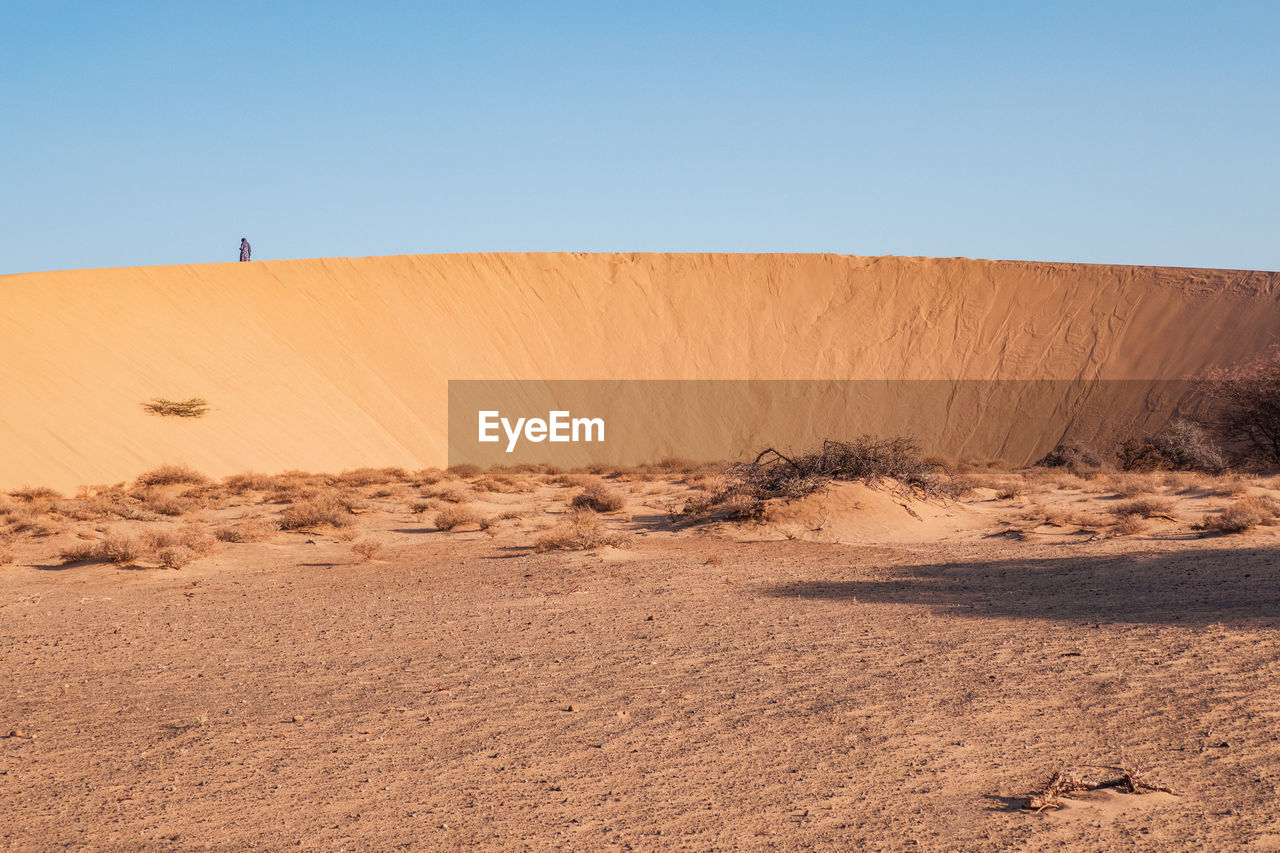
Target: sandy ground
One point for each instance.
(788, 685)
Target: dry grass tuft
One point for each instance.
(1130, 525)
(250, 481)
(188, 539)
(465, 471)
(35, 493)
(249, 530)
(168, 475)
(597, 497)
(370, 477)
(194, 407)
(174, 557)
(1242, 515)
(1064, 517)
(1148, 507)
(165, 505)
(455, 516)
(578, 531)
(1232, 486)
(320, 511)
(1077, 458)
(121, 550)
(455, 495)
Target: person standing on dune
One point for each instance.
(244, 249)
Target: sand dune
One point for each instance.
(337, 363)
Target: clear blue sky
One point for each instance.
(1109, 132)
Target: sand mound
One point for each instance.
(338, 363)
(857, 513)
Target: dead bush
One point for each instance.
(598, 497)
(455, 495)
(1248, 405)
(250, 482)
(169, 506)
(455, 516)
(168, 475)
(367, 549)
(194, 407)
(189, 539)
(1064, 783)
(1228, 487)
(370, 477)
(578, 531)
(35, 493)
(1242, 515)
(248, 530)
(1143, 507)
(1065, 517)
(1127, 485)
(1072, 455)
(865, 459)
(501, 484)
(1180, 446)
(464, 471)
(574, 481)
(33, 519)
(323, 510)
(121, 550)
(1130, 525)
(428, 477)
(82, 552)
(174, 557)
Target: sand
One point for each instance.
(723, 687)
(338, 363)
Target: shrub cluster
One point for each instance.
(579, 530)
(1073, 456)
(747, 485)
(1180, 446)
(1242, 515)
(597, 497)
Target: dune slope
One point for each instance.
(336, 363)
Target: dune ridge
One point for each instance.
(337, 363)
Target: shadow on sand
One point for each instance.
(1185, 588)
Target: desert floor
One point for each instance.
(860, 671)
